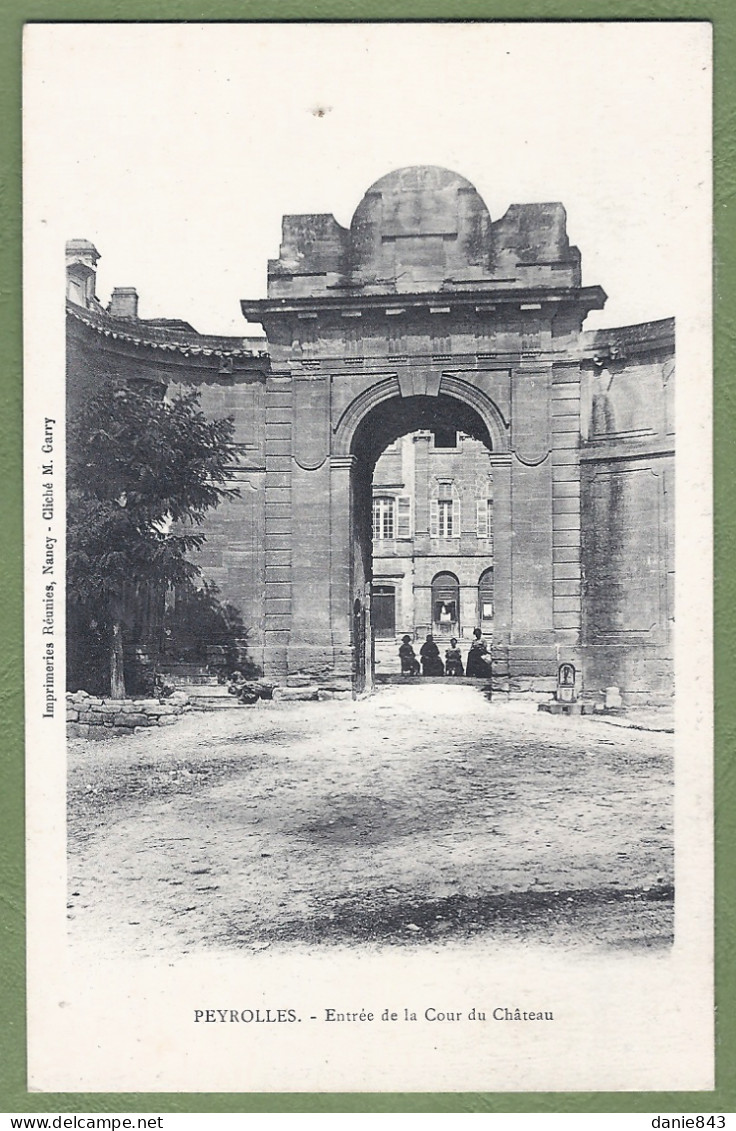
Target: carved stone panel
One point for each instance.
(311, 422)
(530, 415)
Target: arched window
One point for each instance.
(485, 597)
(445, 604)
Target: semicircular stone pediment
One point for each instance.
(418, 226)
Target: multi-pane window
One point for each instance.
(384, 517)
(445, 513)
(444, 518)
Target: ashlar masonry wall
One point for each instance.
(628, 545)
(425, 312)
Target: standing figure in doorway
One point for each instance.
(453, 659)
(431, 662)
(479, 662)
(409, 662)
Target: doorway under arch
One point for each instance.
(445, 604)
(384, 611)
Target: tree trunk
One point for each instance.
(117, 674)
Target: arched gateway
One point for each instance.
(425, 320)
(424, 313)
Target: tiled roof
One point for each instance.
(160, 334)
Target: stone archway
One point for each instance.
(423, 310)
(441, 399)
(373, 420)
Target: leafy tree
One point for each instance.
(142, 471)
(198, 619)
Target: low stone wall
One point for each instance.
(88, 716)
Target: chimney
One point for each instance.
(123, 303)
(81, 272)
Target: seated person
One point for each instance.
(478, 664)
(409, 662)
(453, 659)
(431, 662)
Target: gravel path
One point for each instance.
(423, 815)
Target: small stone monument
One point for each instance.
(565, 692)
(565, 701)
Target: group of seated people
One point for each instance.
(478, 664)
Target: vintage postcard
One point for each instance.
(368, 591)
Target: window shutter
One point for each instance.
(434, 519)
(404, 530)
(481, 508)
(456, 517)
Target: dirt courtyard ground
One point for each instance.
(422, 815)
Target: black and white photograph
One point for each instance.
(369, 723)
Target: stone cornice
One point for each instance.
(590, 298)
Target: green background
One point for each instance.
(13, 15)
